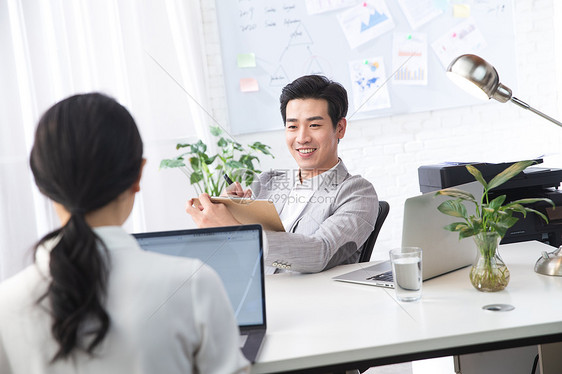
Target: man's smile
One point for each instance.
(306, 150)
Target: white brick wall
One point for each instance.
(388, 151)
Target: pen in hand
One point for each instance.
(237, 190)
(227, 179)
(233, 191)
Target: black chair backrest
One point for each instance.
(384, 208)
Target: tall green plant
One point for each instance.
(491, 216)
(206, 171)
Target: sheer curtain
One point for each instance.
(147, 54)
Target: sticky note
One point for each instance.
(461, 11)
(249, 85)
(246, 60)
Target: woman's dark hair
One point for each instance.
(316, 87)
(87, 151)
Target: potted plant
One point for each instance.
(206, 172)
(489, 224)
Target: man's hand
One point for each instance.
(209, 214)
(235, 190)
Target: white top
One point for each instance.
(298, 198)
(168, 315)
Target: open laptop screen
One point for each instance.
(235, 253)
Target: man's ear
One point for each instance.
(340, 128)
(136, 186)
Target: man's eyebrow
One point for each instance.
(313, 118)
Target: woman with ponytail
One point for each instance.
(93, 301)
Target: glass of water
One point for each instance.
(407, 272)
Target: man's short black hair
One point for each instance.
(316, 87)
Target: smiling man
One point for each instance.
(327, 213)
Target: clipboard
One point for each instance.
(248, 211)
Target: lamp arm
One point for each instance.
(528, 107)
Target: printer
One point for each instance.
(535, 181)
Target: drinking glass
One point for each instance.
(407, 272)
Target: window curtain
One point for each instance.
(147, 54)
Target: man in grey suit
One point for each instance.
(327, 213)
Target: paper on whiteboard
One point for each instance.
(459, 40)
(322, 6)
(368, 84)
(409, 59)
(419, 12)
(366, 21)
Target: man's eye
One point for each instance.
(314, 125)
(291, 127)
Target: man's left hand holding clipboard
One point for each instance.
(236, 208)
(205, 213)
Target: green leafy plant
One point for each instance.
(205, 172)
(488, 225)
(491, 216)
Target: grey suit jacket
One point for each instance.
(332, 228)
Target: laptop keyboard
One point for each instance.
(385, 277)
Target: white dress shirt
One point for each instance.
(298, 198)
(168, 315)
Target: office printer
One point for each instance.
(535, 181)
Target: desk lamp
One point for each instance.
(479, 78)
(476, 76)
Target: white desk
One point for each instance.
(314, 321)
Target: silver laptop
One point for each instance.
(236, 254)
(442, 251)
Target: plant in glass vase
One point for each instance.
(489, 224)
(206, 172)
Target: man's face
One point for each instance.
(311, 137)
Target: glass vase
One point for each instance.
(489, 273)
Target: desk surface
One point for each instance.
(314, 321)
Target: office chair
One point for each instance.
(384, 208)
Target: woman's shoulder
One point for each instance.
(23, 288)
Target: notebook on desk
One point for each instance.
(442, 251)
(236, 254)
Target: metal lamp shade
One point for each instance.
(478, 77)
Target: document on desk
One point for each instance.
(250, 211)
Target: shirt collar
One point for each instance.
(330, 178)
(116, 238)
(318, 180)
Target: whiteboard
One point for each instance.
(266, 44)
